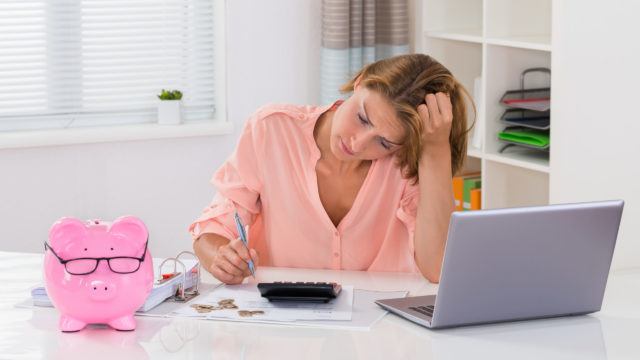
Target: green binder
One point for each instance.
(468, 185)
(535, 138)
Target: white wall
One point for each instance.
(596, 122)
(272, 56)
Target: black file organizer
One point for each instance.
(527, 118)
(521, 114)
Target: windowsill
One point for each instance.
(89, 135)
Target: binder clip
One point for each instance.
(183, 293)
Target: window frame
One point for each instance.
(218, 125)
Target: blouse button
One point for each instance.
(336, 254)
(336, 233)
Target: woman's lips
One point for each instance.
(345, 148)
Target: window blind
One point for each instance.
(74, 63)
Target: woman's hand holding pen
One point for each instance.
(230, 263)
(226, 260)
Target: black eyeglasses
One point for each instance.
(87, 265)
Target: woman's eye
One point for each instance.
(385, 145)
(362, 120)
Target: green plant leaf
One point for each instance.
(170, 95)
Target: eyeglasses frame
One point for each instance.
(64, 262)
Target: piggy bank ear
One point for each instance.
(66, 231)
(131, 228)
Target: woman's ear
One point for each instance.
(356, 83)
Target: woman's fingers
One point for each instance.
(222, 275)
(245, 254)
(240, 249)
(255, 257)
(437, 117)
(432, 105)
(232, 263)
(423, 111)
(444, 105)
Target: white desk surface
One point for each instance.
(613, 333)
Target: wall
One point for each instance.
(273, 54)
(595, 60)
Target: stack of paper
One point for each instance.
(159, 293)
(39, 296)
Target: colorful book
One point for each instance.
(458, 188)
(469, 184)
(476, 199)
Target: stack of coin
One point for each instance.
(227, 304)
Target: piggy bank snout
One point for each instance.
(102, 290)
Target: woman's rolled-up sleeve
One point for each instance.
(238, 184)
(408, 209)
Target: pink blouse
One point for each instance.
(271, 180)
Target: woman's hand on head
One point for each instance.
(230, 262)
(437, 116)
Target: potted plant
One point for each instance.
(169, 107)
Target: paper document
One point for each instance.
(244, 303)
(365, 311)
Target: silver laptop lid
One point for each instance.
(521, 263)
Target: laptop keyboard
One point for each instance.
(425, 310)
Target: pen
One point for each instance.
(244, 239)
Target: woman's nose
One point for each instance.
(358, 143)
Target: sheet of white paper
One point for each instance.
(365, 311)
(247, 297)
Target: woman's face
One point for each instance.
(365, 127)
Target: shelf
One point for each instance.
(494, 41)
(528, 159)
(522, 24)
(453, 19)
(533, 42)
(504, 185)
(468, 35)
(503, 69)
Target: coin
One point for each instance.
(249, 313)
(201, 308)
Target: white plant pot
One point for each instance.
(169, 112)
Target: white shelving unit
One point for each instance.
(495, 40)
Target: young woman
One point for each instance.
(360, 184)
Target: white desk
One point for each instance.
(613, 333)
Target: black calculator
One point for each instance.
(299, 291)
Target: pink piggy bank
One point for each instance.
(98, 272)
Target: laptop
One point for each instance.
(519, 263)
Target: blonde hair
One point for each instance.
(405, 80)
